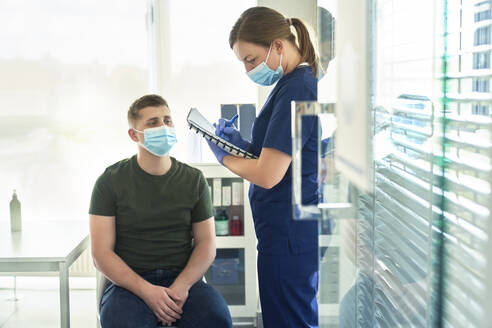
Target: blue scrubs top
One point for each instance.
(277, 232)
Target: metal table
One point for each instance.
(45, 246)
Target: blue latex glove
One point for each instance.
(225, 129)
(223, 123)
(233, 135)
(218, 152)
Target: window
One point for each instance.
(432, 187)
(481, 60)
(482, 36)
(481, 85)
(478, 109)
(197, 68)
(482, 15)
(69, 73)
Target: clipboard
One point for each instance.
(201, 125)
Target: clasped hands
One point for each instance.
(166, 303)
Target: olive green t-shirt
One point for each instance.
(153, 214)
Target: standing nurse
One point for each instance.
(264, 40)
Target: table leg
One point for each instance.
(64, 296)
(14, 298)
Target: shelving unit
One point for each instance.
(233, 272)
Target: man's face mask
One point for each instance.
(159, 140)
(264, 75)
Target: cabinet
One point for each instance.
(233, 272)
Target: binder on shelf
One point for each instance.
(226, 195)
(247, 115)
(237, 193)
(217, 191)
(201, 125)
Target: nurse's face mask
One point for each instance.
(158, 140)
(264, 75)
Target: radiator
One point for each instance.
(83, 266)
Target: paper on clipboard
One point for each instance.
(201, 125)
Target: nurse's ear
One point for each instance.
(278, 46)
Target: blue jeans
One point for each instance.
(204, 308)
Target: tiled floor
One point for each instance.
(41, 309)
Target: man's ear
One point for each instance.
(133, 134)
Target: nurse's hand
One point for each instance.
(223, 123)
(218, 152)
(234, 136)
(225, 129)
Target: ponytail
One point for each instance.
(306, 47)
(262, 25)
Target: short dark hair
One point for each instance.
(141, 103)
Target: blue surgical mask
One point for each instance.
(159, 140)
(264, 75)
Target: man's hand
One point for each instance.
(165, 309)
(179, 294)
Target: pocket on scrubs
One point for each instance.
(303, 237)
(273, 222)
(272, 214)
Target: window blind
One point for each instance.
(432, 170)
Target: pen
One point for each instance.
(227, 124)
(231, 122)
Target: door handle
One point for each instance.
(300, 109)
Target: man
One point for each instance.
(152, 232)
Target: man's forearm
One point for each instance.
(113, 267)
(200, 260)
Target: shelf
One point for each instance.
(329, 309)
(212, 170)
(232, 241)
(245, 290)
(329, 240)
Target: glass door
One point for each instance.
(413, 250)
(382, 251)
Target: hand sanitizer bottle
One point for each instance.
(15, 214)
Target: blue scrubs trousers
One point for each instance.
(288, 287)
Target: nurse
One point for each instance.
(265, 42)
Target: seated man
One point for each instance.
(152, 232)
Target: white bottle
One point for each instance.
(15, 214)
